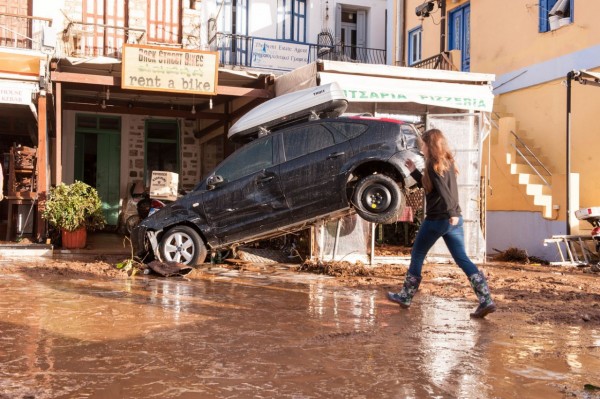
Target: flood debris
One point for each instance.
(337, 269)
(169, 269)
(517, 255)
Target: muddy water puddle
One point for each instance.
(243, 335)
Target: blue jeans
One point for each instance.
(454, 237)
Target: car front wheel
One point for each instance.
(182, 244)
(378, 199)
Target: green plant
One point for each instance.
(71, 206)
(130, 266)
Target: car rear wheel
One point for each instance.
(378, 199)
(182, 244)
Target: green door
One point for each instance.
(97, 159)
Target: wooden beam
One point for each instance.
(234, 115)
(70, 77)
(42, 165)
(166, 112)
(104, 80)
(58, 130)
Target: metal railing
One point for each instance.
(22, 31)
(535, 164)
(86, 39)
(235, 50)
(439, 61)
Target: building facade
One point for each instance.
(110, 122)
(540, 159)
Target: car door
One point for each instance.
(250, 188)
(310, 173)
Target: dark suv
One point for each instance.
(283, 182)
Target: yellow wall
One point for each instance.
(505, 39)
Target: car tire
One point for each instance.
(183, 245)
(378, 199)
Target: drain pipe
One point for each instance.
(570, 77)
(442, 6)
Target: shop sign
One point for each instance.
(381, 90)
(280, 55)
(13, 93)
(169, 70)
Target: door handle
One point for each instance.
(335, 155)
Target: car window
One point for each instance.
(349, 130)
(249, 159)
(306, 139)
(410, 135)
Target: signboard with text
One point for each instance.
(15, 93)
(274, 54)
(169, 70)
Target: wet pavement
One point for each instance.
(247, 335)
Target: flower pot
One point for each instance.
(74, 239)
(564, 21)
(554, 22)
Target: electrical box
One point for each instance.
(163, 185)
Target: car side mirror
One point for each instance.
(213, 181)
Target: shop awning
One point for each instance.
(390, 84)
(379, 89)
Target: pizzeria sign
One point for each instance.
(169, 70)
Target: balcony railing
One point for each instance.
(22, 31)
(235, 50)
(85, 39)
(440, 61)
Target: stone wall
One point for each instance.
(190, 156)
(135, 148)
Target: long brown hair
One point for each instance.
(438, 156)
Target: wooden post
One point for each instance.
(42, 165)
(58, 119)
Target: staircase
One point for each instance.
(527, 163)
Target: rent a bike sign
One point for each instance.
(170, 70)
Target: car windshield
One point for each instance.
(249, 159)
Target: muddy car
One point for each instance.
(283, 182)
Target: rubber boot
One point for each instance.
(409, 289)
(486, 304)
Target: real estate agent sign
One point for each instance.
(272, 54)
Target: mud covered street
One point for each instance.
(85, 329)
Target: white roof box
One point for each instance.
(323, 101)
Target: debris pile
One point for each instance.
(337, 269)
(517, 255)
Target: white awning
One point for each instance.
(389, 89)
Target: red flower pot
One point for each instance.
(74, 239)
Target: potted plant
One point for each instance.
(74, 209)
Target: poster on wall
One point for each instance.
(273, 54)
(169, 70)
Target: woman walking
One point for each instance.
(443, 219)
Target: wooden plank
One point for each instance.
(105, 80)
(166, 112)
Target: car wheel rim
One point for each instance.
(377, 198)
(179, 248)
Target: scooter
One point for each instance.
(138, 207)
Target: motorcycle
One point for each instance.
(138, 207)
